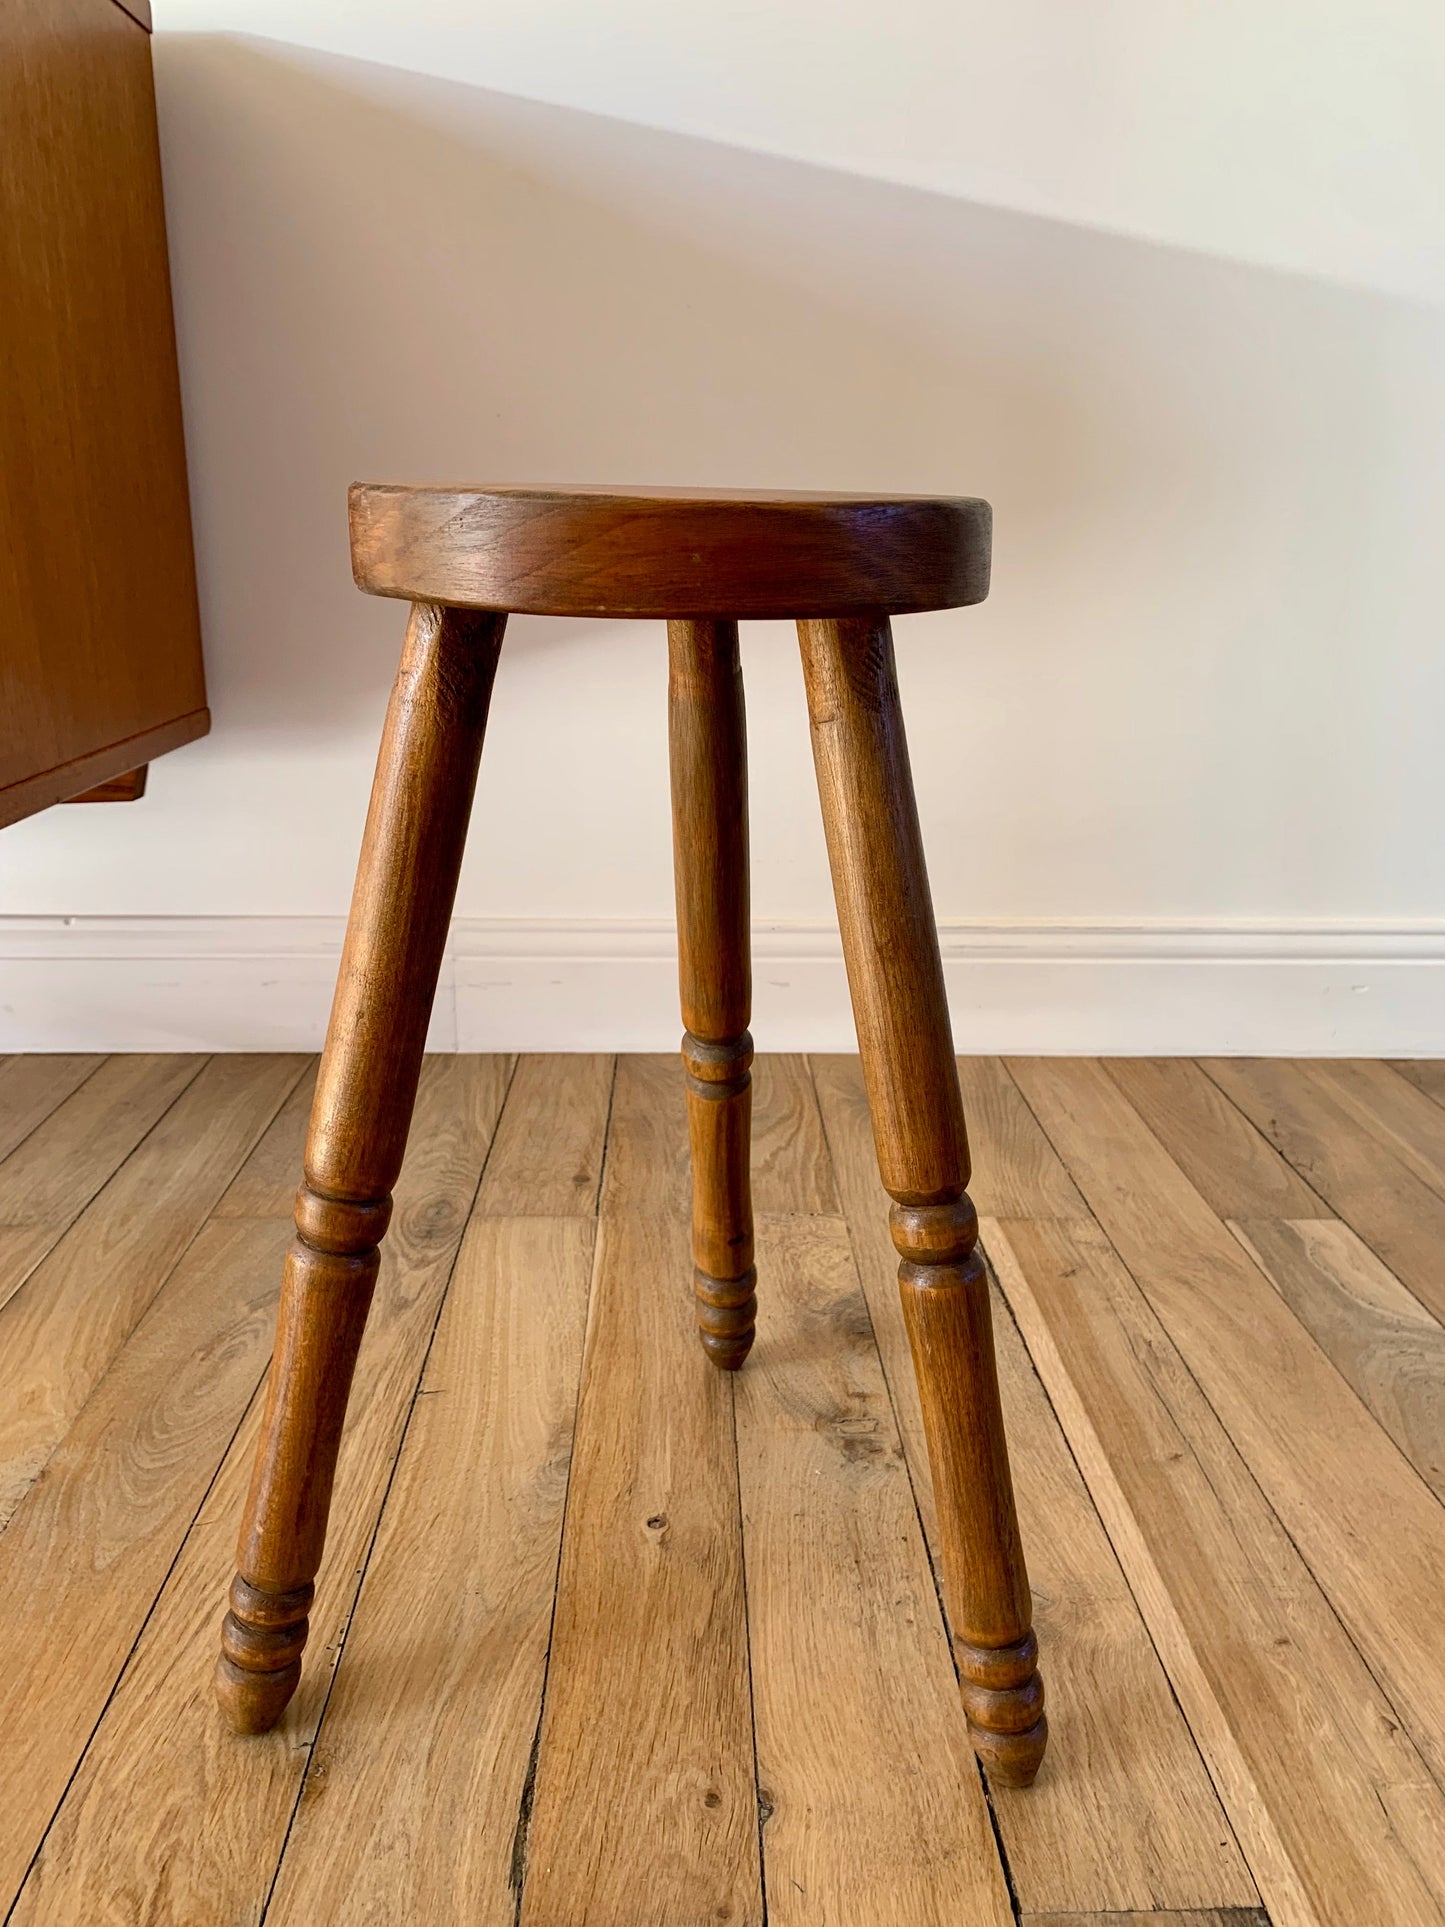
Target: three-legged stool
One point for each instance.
(840, 565)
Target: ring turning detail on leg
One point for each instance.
(839, 566)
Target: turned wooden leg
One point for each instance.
(891, 945)
(708, 744)
(405, 885)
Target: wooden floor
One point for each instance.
(604, 1637)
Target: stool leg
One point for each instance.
(405, 885)
(708, 744)
(896, 980)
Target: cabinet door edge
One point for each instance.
(49, 786)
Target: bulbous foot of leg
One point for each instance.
(262, 1638)
(1003, 1697)
(253, 1702)
(727, 1310)
(727, 1353)
(1011, 1759)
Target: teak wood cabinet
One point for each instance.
(100, 646)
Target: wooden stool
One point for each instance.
(840, 565)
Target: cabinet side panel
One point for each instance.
(99, 635)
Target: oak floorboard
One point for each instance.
(414, 1792)
(792, 1174)
(1390, 1110)
(1339, 1818)
(1368, 1526)
(171, 1821)
(89, 1545)
(546, 1159)
(1233, 1167)
(50, 1177)
(1399, 1216)
(1378, 1335)
(1427, 1074)
(31, 1087)
(645, 1805)
(126, 1845)
(872, 1804)
(1123, 1814)
(266, 1184)
(59, 1333)
(1192, 1917)
(1016, 1171)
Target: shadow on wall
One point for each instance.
(386, 276)
(1210, 481)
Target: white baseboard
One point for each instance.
(264, 983)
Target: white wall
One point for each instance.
(1162, 281)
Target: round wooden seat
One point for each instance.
(669, 552)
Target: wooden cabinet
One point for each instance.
(100, 649)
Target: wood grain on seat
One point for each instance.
(669, 552)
